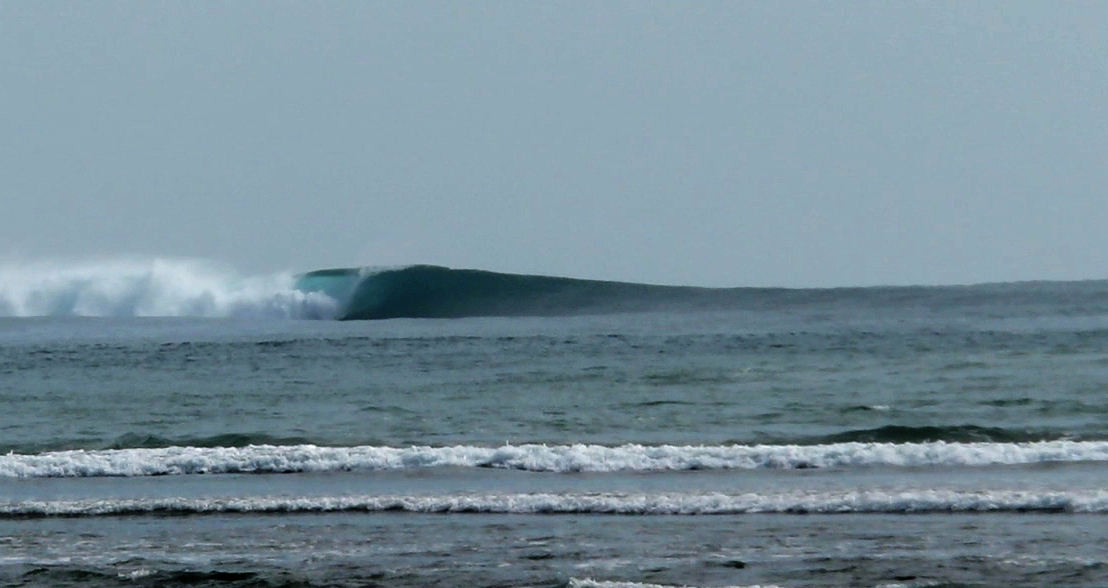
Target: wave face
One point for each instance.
(154, 288)
(924, 434)
(424, 291)
(834, 502)
(538, 458)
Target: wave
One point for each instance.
(425, 291)
(834, 502)
(160, 287)
(538, 458)
(69, 575)
(924, 434)
(166, 287)
(139, 441)
(889, 434)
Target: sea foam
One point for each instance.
(538, 458)
(590, 583)
(159, 287)
(917, 501)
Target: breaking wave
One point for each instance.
(193, 288)
(154, 288)
(424, 291)
(840, 502)
(538, 458)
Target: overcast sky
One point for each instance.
(722, 144)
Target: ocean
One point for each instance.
(175, 425)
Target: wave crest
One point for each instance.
(908, 501)
(539, 458)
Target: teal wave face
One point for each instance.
(425, 291)
(439, 292)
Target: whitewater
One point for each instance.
(154, 288)
(177, 423)
(853, 502)
(539, 458)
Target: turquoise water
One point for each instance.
(863, 437)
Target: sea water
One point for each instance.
(870, 437)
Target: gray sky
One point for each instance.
(731, 143)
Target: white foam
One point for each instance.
(158, 287)
(538, 458)
(590, 583)
(835, 502)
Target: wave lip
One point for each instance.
(919, 501)
(537, 458)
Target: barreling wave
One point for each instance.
(539, 458)
(193, 288)
(424, 291)
(834, 502)
(159, 287)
